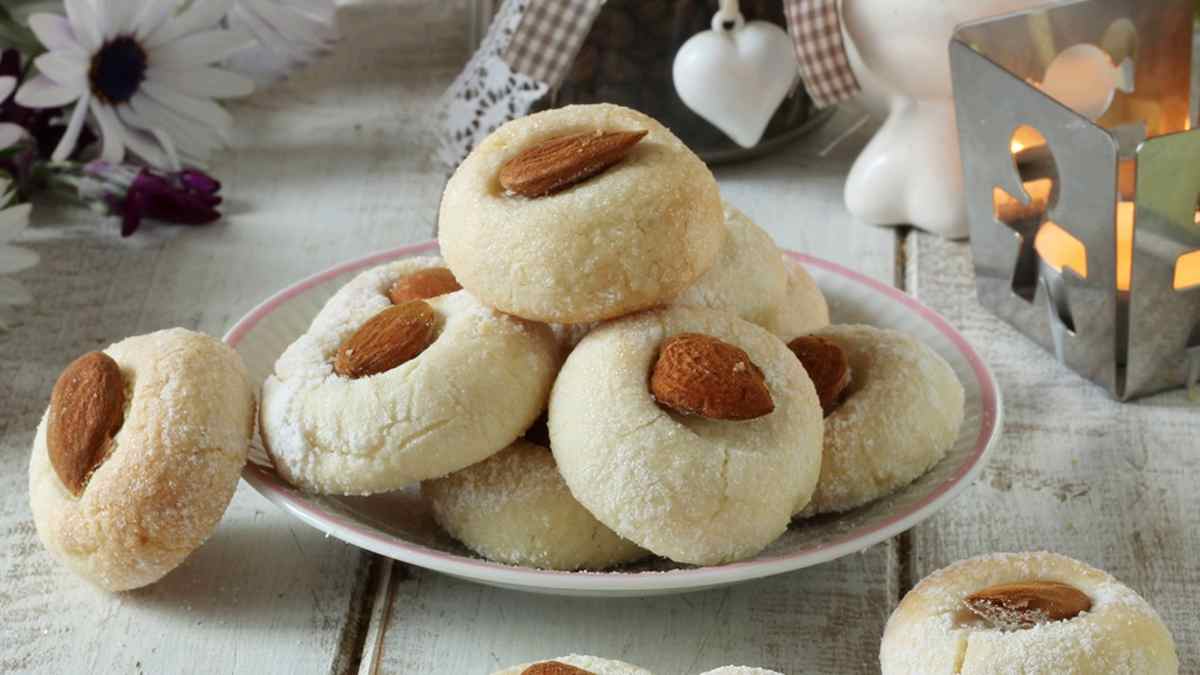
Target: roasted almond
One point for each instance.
(87, 408)
(423, 285)
(554, 668)
(827, 367)
(559, 163)
(701, 375)
(392, 337)
(1028, 603)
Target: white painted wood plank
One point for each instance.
(382, 592)
(329, 165)
(813, 621)
(1111, 484)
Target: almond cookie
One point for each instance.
(376, 396)
(897, 416)
(580, 213)
(139, 454)
(690, 432)
(803, 308)
(1030, 613)
(514, 508)
(749, 279)
(575, 664)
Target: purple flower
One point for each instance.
(186, 197)
(134, 193)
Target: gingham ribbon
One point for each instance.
(816, 29)
(549, 36)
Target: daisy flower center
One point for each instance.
(118, 70)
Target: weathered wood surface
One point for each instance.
(327, 166)
(825, 619)
(334, 164)
(1111, 484)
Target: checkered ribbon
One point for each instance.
(816, 29)
(549, 36)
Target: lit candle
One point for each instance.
(1061, 250)
(1009, 210)
(1124, 244)
(1187, 271)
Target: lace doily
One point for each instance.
(487, 93)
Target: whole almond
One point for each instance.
(87, 408)
(422, 285)
(392, 337)
(701, 375)
(827, 367)
(1025, 604)
(559, 163)
(554, 668)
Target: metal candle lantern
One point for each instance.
(1082, 184)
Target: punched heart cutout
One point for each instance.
(735, 76)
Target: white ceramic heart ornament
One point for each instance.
(736, 75)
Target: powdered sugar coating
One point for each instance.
(171, 471)
(749, 278)
(898, 417)
(470, 394)
(803, 309)
(514, 508)
(690, 489)
(740, 670)
(593, 664)
(629, 238)
(1120, 635)
(570, 334)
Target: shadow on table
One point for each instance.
(261, 570)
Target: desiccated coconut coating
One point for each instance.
(898, 417)
(749, 278)
(629, 238)
(592, 664)
(468, 395)
(514, 508)
(1120, 635)
(691, 489)
(170, 473)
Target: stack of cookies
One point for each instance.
(609, 363)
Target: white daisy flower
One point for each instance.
(13, 259)
(290, 34)
(142, 73)
(10, 134)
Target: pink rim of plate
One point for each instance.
(351, 531)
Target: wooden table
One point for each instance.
(334, 164)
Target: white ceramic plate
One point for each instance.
(398, 525)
